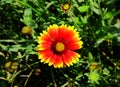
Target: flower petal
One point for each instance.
(53, 31)
(44, 55)
(75, 56)
(67, 59)
(45, 36)
(58, 62)
(74, 45)
(70, 57)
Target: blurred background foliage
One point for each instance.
(98, 22)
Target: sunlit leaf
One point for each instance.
(83, 8)
(108, 15)
(95, 10)
(106, 71)
(90, 57)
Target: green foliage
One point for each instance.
(98, 22)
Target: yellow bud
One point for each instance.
(7, 64)
(10, 66)
(94, 66)
(26, 30)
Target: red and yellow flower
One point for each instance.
(57, 46)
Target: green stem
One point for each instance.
(17, 41)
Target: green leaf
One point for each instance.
(15, 48)
(27, 16)
(6, 1)
(96, 10)
(79, 76)
(83, 8)
(117, 25)
(28, 12)
(4, 47)
(108, 15)
(49, 4)
(90, 57)
(109, 36)
(94, 3)
(106, 71)
(82, 20)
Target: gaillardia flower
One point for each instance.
(66, 6)
(57, 46)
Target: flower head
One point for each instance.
(94, 77)
(66, 6)
(57, 45)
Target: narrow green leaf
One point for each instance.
(96, 10)
(99, 42)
